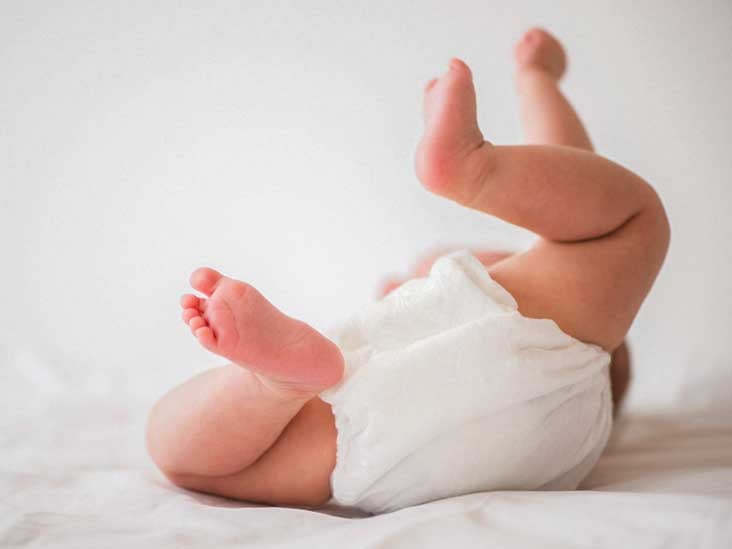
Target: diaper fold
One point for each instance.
(449, 390)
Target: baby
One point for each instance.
(266, 427)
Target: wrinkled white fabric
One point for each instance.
(449, 390)
(75, 474)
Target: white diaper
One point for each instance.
(449, 390)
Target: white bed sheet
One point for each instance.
(74, 473)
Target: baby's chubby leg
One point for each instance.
(546, 189)
(548, 118)
(231, 430)
(603, 229)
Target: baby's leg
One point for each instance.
(604, 230)
(549, 119)
(231, 431)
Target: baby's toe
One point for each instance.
(190, 313)
(206, 337)
(205, 280)
(197, 322)
(189, 301)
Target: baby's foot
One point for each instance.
(237, 322)
(539, 50)
(452, 156)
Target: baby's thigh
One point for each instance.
(295, 470)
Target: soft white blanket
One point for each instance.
(74, 473)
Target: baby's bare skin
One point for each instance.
(255, 429)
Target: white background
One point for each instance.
(274, 141)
